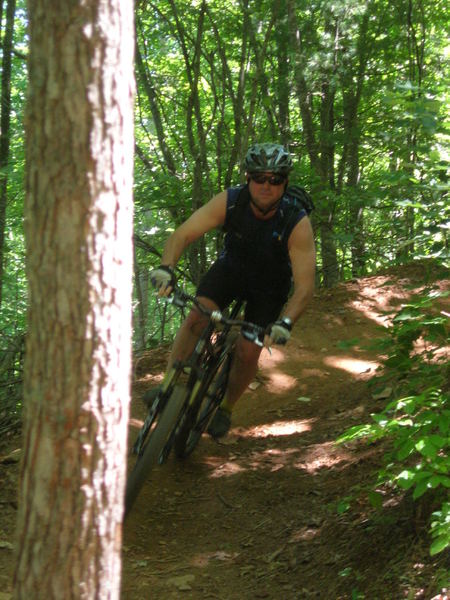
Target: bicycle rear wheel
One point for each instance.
(154, 447)
(197, 417)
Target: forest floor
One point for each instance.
(267, 512)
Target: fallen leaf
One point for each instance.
(182, 582)
(386, 393)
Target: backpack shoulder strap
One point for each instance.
(300, 196)
(237, 201)
(298, 203)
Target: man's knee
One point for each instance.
(196, 322)
(247, 353)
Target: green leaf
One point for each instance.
(376, 499)
(444, 480)
(343, 506)
(409, 314)
(439, 544)
(357, 432)
(426, 448)
(405, 449)
(438, 441)
(421, 488)
(406, 479)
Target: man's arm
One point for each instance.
(204, 219)
(302, 253)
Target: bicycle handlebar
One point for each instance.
(180, 298)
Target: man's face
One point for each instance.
(266, 188)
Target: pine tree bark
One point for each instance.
(78, 225)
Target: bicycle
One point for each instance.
(181, 412)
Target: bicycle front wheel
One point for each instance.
(197, 418)
(154, 447)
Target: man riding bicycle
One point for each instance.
(258, 264)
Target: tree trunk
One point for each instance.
(78, 225)
(4, 127)
(283, 67)
(141, 277)
(320, 152)
(350, 156)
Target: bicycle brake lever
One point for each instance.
(216, 316)
(177, 301)
(176, 298)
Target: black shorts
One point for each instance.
(223, 283)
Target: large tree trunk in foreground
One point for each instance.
(79, 260)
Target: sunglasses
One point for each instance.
(272, 179)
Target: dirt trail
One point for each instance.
(256, 516)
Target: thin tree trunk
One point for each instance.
(78, 217)
(351, 100)
(141, 290)
(320, 154)
(5, 120)
(283, 86)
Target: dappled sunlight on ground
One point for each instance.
(309, 459)
(351, 365)
(370, 313)
(278, 428)
(227, 468)
(321, 456)
(280, 382)
(379, 299)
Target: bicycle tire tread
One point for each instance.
(188, 437)
(158, 438)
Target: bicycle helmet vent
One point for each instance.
(268, 157)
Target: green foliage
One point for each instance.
(218, 75)
(440, 529)
(418, 424)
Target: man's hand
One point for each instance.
(278, 332)
(163, 279)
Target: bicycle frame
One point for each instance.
(173, 420)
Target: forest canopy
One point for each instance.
(356, 90)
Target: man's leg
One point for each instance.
(243, 370)
(242, 373)
(185, 341)
(189, 332)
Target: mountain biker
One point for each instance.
(251, 267)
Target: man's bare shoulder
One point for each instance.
(302, 235)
